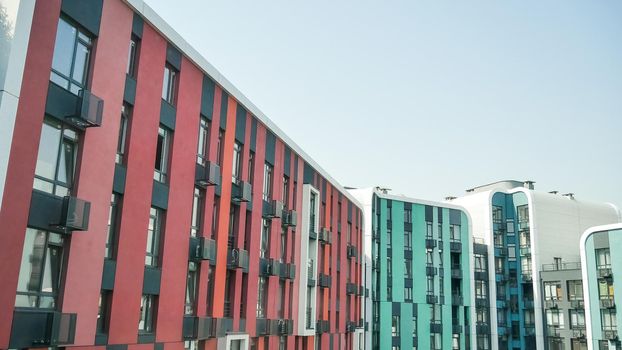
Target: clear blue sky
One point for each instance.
(430, 97)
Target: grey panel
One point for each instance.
(137, 25)
(167, 115)
(240, 124)
(110, 267)
(60, 103)
(118, 183)
(429, 216)
(207, 97)
(455, 217)
(287, 161)
(173, 56)
(159, 196)
(45, 210)
(270, 147)
(223, 110)
(309, 174)
(151, 281)
(253, 134)
(86, 13)
(129, 94)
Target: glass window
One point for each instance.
(497, 214)
(261, 297)
(408, 294)
(481, 289)
(72, 53)
(169, 85)
(428, 230)
(523, 214)
(286, 191)
(395, 326)
(197, 212)
(147, 314)
(203, 144)
(132, 57)
(251, 167)
(481, 263)
(553, 290)
(126, 113)
(575, 290)
(219, 146)
(283, 249)
(454, 233)
(103, 311)
(414, 325)
(267, 182)
(264, 248)
(408, 268)
(191, 289)
(408, 243)
(389, 235)
(603, 258)
(408, 215)
(608, 319)
(577, 319)
(605, 289)
(56, 159)
(154, 233)
(554, 318)
(113, 225)
(236, 172)
(162, 154)
(41, 270)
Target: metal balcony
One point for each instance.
(430, 243)
(324, 281)
(322, 326)
(198, 328)
(325, 236)
(208, 175)
(202, 248)
(610, 334)
(351, 251)
(35, 328)
(351, 288)
(455, 247)
(577, 304)
(237, 259)
(273, 209)
(89, 111)
(605, 273)
(74, 215)
(607, 303)
(431, 299)
(289, 218)
(241, 192)
(456, 300)
(551, 304)
(430, 270)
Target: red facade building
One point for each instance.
(148, 204)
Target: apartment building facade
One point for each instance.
(421, 275)
(527, 232)
(146, 203)
(601, 261)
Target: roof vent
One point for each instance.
(553, 192)
(569, 195)
(528, 184)
(384, 190)
(450, 198)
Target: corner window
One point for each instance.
(41, 270)
(203, 145)
(169, 85)
(72, 53)
(162, 154)
(126, 112)
(132, 57)
(154, 233)
(146, 323)
(56, 159)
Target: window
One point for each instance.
(267, 182)
(553, 290)
(430, 285)
(41, 270)
(283, 249)
(440, 231)
(113, 226)
(499, 265)
(236, 172)
(481, 289)
(169, 86)
(554, 318)
(455, 342)
(56, 159)
(103, 312)
(197, 212)
(481, 263)
(286, 191)
(497, 214)
(454, 233)
(428, 230)
(162, 154)
(72, 53)
(523, 214)
(530, 318)
(203, 144)
(436, 315)
(408, 269)
(408, 294)
(408, 244)
(261, 297)
(191, 289)
(146, 322)
(154, 232)
(389, 267)
(603, 259)
(511, 252)
(605, 289)
(575, 290)
(132, 57)
(219, 146)
(608, 319)
(264, 247)
(395, 326)
(482, 342)
(389, 234)
(481, 315)
(498, 239)
(436, 341)
(414, 325)
(126, 112)
(408, 216)
(429, 257)
(251, 167)
(577, 319)
(501, 318)
(389, 213)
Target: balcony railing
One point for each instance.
(562, 266)
(42, 328)
(607, 303)
(309, 319)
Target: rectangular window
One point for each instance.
(236, 171)
(41, 270)
(285, 191)
(132, 57)
(154, 233)
(162, 154)
(577, 319)
(251, 167)
(481, 263)
(454, 233)
(264, 247)
(56, 158)
(605, 289)
(554, 318)
(414, 324)
(112, 232)
(169, 86)
(203, 144)
(603, 258)
(267, 182)
(408, 243)
(389, 234)
(283, 249)
(262, 292)
(126, 112)
(219, 146)
(197, 212)
(497, 214)
(428, 230)
(146, 323)
(553, 290)
(395, 326)
(408, 216)
(408, 294)
(608, 320)
(72, 54)
(575, 290)
(408, 269)
(481, 289)
(430, 285)
(523, 214)
(440, 231)
(191, 289)
(103, 312)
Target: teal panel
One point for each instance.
(592, 277)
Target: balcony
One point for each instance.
(268, 267)
(528, 304)
(351, 251)
(289, 218)
(578, 332)
(82, 111)
(577, 304)
(482, 328)
(525, 250)
(607, 303)
(553, 332)
(456, 272)
(610, 334)
(436, 327)
(35, 328)
(456, 300)
(430, 270)
(604, 272)
(456, 328)
(202, 248)
(481, 301)
(351, 288)
(431, 298)
(501, 252)
(310, 274)
(455, 247)
(350, 326)
(324, 281)
(281, 327)
(241, 192)
(430, 243)
(272, 210)
(325, 236)
(551, 304)
(208, 175)
(65, 215)
(527, 277)
(198, 328)
(530, 330)
(237, 259)
(322, 326)
(287, 271)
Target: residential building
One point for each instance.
(526, 230)
(147, 203)
(601, 261)
(420, 277)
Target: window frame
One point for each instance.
(170, 84)
(80, 37)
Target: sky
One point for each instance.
(430, 98)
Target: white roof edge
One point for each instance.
(419, 201)
(158, 23)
